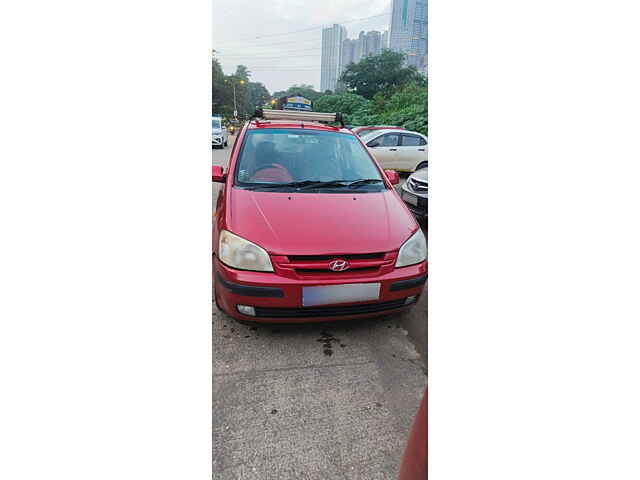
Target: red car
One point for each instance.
(362, 130)
(308, 227)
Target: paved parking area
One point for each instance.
(317, 401)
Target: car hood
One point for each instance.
(216, 130)
(320, 224)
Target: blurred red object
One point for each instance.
(414, 462)
(274, 173)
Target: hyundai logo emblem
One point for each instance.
(339, 265)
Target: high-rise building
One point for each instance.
(348, 52)
(409, 31)
(336, 57)
(372, 44)
(360, 44)
(331, 63)
(369, 43)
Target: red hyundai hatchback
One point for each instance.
(308, 226)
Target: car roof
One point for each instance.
(260, 124)
(379, 127)
(393, 130)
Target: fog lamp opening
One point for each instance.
(410, 300)
(247, 310)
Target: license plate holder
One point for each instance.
(334, 294)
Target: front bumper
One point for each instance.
(216, 140)
(278, 299)
(418, 204)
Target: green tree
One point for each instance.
(219, 95)
(379, 73)
(242, 73)
(258, 96)
(248, 94)
(303, 90)
(406, 108)
(347, 103)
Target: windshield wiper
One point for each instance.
(280, 185)
(342, 183)
(318, 184)
(364, 181)
(311, 184)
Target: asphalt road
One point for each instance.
(315, 401)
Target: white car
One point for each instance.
(399, 150)
(219, 133)
(415, 192)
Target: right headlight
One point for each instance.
(237, 252)
(413, 250)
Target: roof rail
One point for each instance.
(267, 114)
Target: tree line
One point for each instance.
(248, 94)
(378, 90)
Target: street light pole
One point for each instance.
(235, 108)
(235, 104)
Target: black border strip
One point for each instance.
(249, 291)
(411, 283)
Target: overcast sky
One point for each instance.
(254, 33)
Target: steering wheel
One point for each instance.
(263, 167)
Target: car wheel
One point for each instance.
(422, 165)
(226, 144)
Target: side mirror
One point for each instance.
(373, 144)
(217, 174)
(392, 176)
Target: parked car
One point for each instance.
(363, 130)
(219, 133)
(308, 226)
(415, 193)
(400, 150)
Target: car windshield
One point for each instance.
(306, 160)
(369, 134)
(215, 123)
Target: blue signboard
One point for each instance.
(297, 103)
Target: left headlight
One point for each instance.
(413, 250)
(237, 252)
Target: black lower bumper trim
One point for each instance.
(406, 284)
(337, 311)
(250, 291)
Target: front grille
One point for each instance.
(266, 312)
(418, 185)
(311, 271)
(357, 256)
(314, 265)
